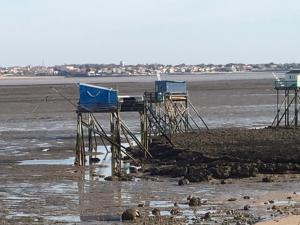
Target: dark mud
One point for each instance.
(228, 153)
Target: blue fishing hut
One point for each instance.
(167, 87)
(96, 98)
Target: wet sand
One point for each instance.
(290, 220)
(39, 123)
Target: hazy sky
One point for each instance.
(148, 31)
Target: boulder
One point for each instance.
(130, 214)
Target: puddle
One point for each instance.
(100, 218)
(68, 161)
(67, 218)
(161, 204)
(285, 202)
(94, 171)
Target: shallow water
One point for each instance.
(105, 201)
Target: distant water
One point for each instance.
(152, 78)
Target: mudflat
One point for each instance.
(38, 122)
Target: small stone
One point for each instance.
(130, 214)
(223, 182)
(246, 207)
(141, 205)
(94, 160)
(183, 181)
(246, 197)
(274, 207)
(156, 212)
(207, 216)
(232, 199)
(133, 169)
(271, 201)
(194, 201)
(189, 197)
(175, 204)
(175, 211)
(289, 197)
(267, 179)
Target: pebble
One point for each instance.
(246, 207)
(194, 201)
(175, 211)
(141, 205)
(156, 212)
(183, 181)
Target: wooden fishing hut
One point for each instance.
(162, 113)
(169, 111)
(95, 100)
(287, 100)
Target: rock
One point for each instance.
(175, 204)
(232, 199)
(207, 216)
(130, 214)
(194, 201)
(133, 169)
(156, 212)
(183, 181)
(141, 204)
(175, 211)
(289, 197)
(246, 197)
(189, 197)
(246, 207)
(94, 160)
(109, 178)
(267, 179)
(223, 181)
(271, 201)
(274, 207)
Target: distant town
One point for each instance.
(92, 70)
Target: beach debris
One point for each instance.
(130, 214)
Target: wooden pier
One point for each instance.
(287, 104)
(161, 114)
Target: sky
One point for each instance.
(148, 31)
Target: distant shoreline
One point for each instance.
(56, 80)
(134, 75)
